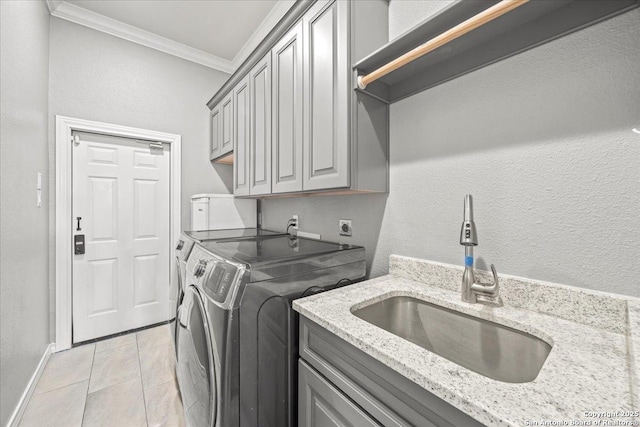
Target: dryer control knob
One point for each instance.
(199, 268)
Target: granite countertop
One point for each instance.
(592, 367)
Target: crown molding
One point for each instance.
(53, 5)
(261, 32)
(70, 12)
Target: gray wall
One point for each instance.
(542, 140)
(24, 292)
(96, 76)
(405, 14)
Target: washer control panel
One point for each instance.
(213, 275)
(220, 280)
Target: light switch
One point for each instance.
(39, 190)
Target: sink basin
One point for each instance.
(485, 347)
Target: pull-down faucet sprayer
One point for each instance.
(471, 290)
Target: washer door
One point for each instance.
(175, 295)
(195, 367)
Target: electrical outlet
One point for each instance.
(297, 220)
(345, 227)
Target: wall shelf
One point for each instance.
(528, 26)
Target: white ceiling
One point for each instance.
(216, 33)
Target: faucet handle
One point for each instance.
(495, 276)
(489, 294)
(492, 289)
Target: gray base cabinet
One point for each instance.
(321, 404)
(340, 385)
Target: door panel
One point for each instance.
(215, 139)
(144, 268)
(326, 96)
(260, 154)
(287, 112)
(103, 208)
(241, 131)
(226, 119)
(121, 192)
(321, 404)
(103, 286)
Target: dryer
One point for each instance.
(183, 250)
(238, 346)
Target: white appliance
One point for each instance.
(222, 211)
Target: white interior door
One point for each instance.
(121, 192)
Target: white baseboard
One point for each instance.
(31, 386)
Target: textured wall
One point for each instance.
(96, 76)
(542, 140)
(406, 14)
(24, 291)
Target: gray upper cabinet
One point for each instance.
(260, 125)
(326, 139)
(226, 123)
(287, 112)
(324, 134)
(215, 143)
(241, 135)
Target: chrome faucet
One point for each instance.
(472, 291)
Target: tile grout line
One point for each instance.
(144, 398)
(62, 386)
(123, 380)
(113, 348)
(86, 398)
(155, 345)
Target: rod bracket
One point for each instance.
(361, 83)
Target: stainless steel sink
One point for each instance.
(485, 347)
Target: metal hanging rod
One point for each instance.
(461, 29)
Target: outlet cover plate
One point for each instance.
(345, 228)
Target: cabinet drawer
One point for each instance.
(320, 404)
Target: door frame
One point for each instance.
(64, 213)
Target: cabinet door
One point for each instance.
(320, 404)
(287, 112)
(260, 150)
(326, 96)
(215, 144)
(241, 131)
(226, 123)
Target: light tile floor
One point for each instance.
(124, 381)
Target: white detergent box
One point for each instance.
(222, 211)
